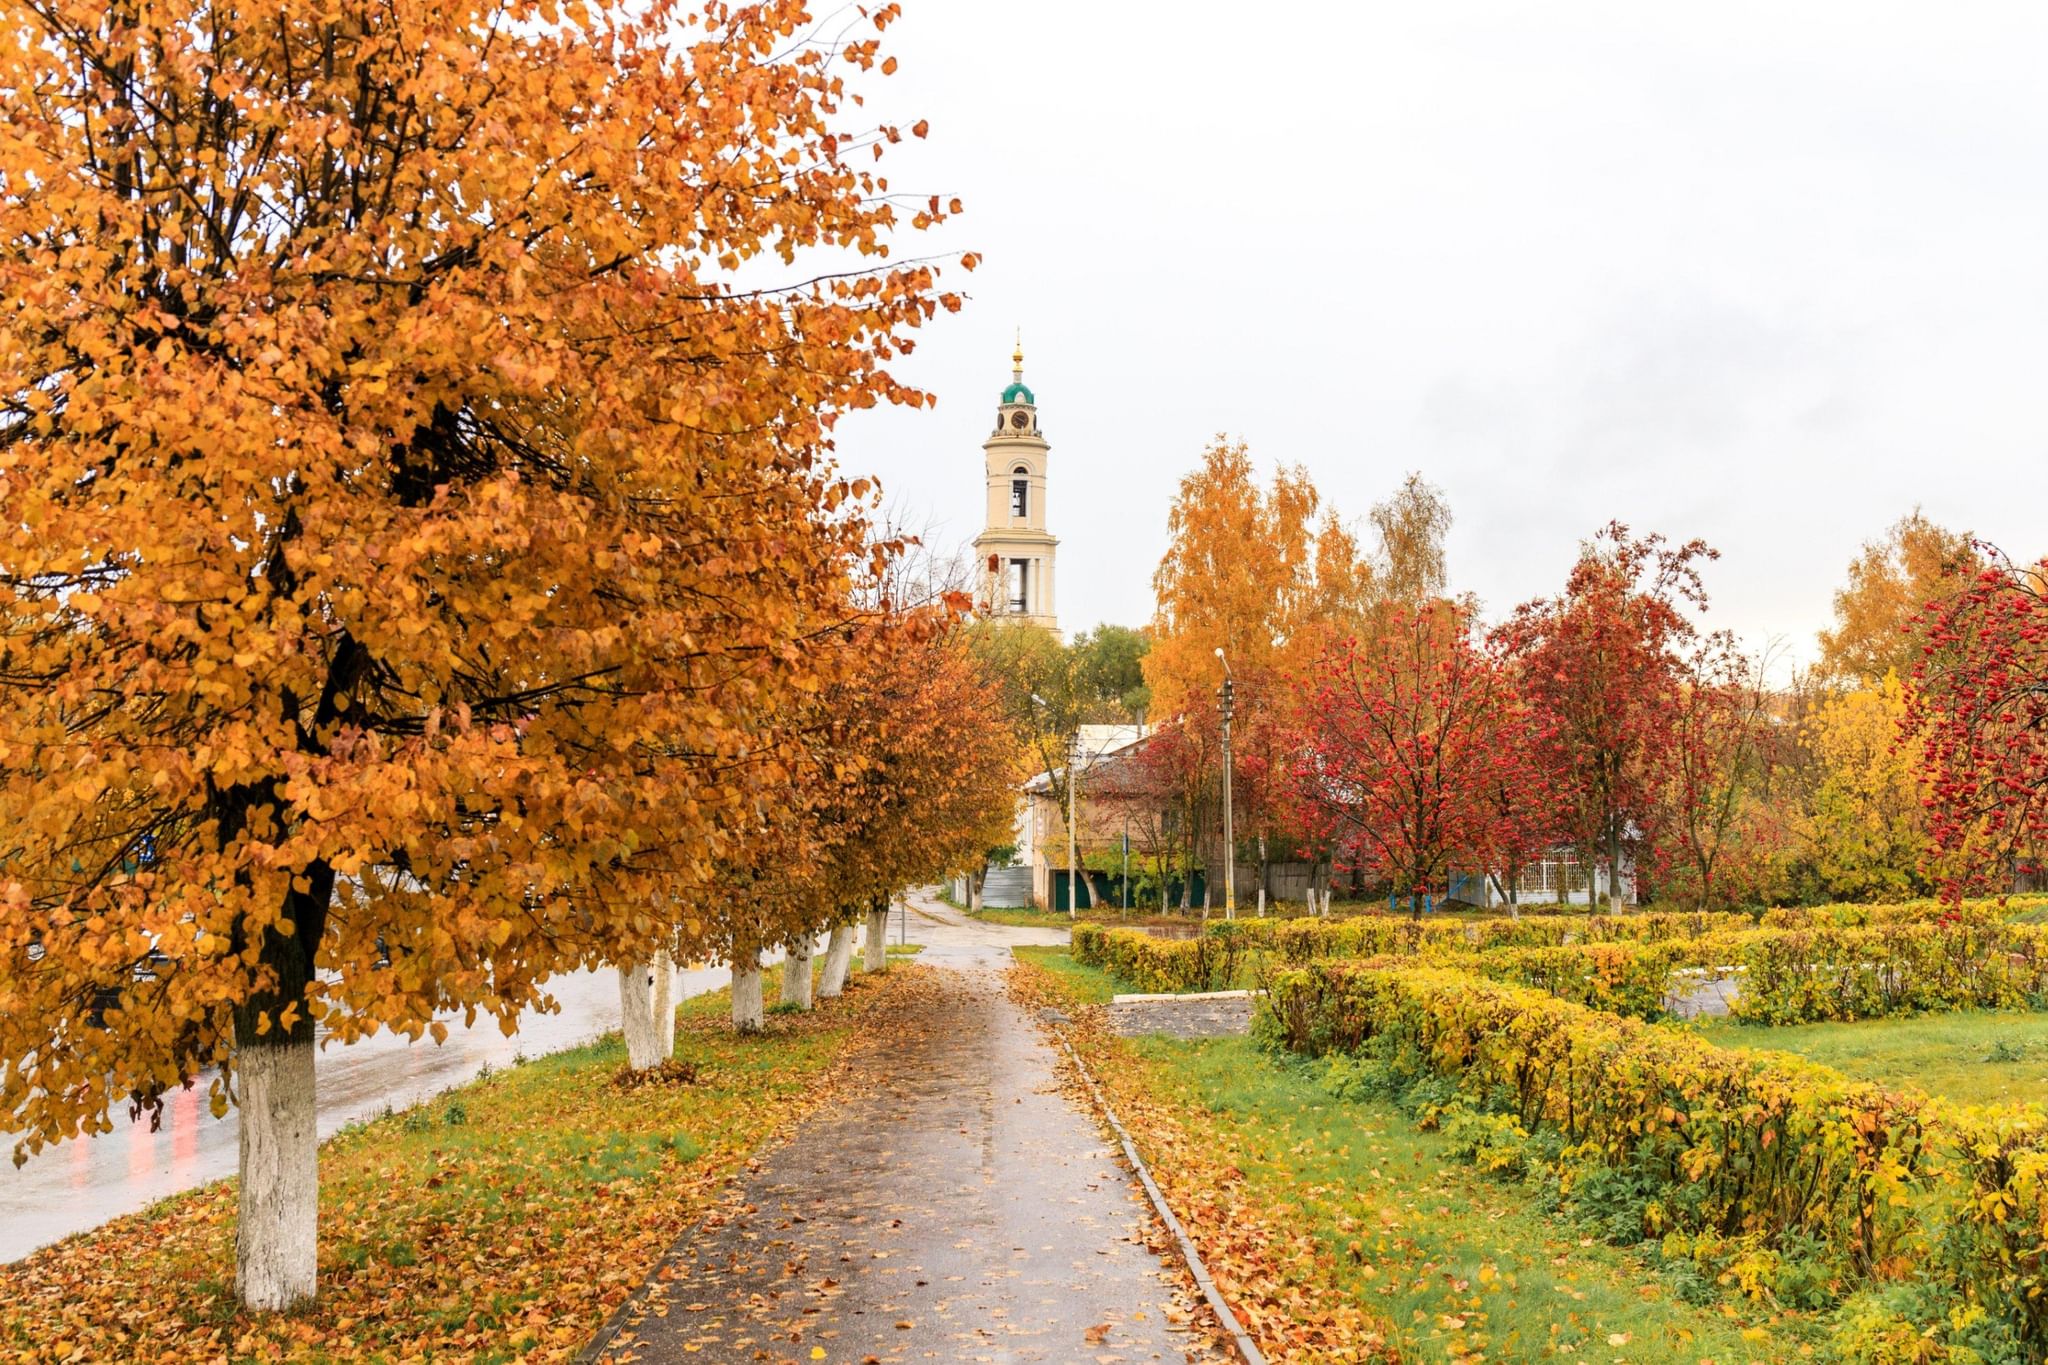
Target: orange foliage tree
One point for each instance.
(1269, 576)
(1879, 627)
(907, 772)
(408, 516)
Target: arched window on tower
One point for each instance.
(1020, 492)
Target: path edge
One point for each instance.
(1247, 1349)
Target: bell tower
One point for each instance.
(1014, 550)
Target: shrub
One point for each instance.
(1811, 975)
(1148, 963)
(1790, 1179)
(1763, 1145)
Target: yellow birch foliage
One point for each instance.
(1866, 827)
(411, 531)
(1877, 627)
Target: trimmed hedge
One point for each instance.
(1809, 976)
(1771, 1145)
(1735, 1147)
(1788, 975)
(1851, 915)
(1149, 963)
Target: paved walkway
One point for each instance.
(956, 1207)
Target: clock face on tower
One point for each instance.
(1020, 420)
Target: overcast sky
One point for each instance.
(1769, 274)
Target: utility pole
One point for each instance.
(1229, 830)
(1073, 814)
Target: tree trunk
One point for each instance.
(875, 953)
(665, 1004)
(746, 992)
(638, 1014)
(277, 1214)
(838, 957)
(796, 975)
(1613, 866)
(974, 884)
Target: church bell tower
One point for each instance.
(1014, 550)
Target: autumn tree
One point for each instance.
(1979, 704)
(1878, 625)
(939, 770)
(1604, 662)
(1273, 578)
(1404, 731)
(1717, 766)
(1521, 822)
(1866, 831)
(408, 517)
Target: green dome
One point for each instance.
(1018, 393)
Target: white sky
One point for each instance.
(1769, 274)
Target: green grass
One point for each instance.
(1458, 1261)
(1464, 1265)
(1968, 1057)
(903, 949)
(1088, 985)
(1023, 917)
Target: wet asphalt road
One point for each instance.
(954, 1206)
(79, 1185)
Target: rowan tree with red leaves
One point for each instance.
(1522, 820)
(1979, 702)
(1399, 770)
(1603, 661)
(1718, 762)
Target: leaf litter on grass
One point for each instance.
(510, 1236)
(1341, 1233)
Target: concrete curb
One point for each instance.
(1247, 1349)
(1191, 995)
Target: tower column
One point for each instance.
(1015, 549)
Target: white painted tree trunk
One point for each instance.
(746, 993)
(637, 1019)
(838, 957)
(665, 1004)
(277, 1216)
(875, 952)
(796, 975)
(1262, 902)
(974, 885)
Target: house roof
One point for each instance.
(1098, 742)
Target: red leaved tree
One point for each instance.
(1980, 699)
(1397, 775)
(1603, 661)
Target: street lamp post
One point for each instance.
(1073, 814)
(1229, 830)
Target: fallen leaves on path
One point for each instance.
(1264, 1264)
(506, 1219)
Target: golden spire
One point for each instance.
(1017, 357)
